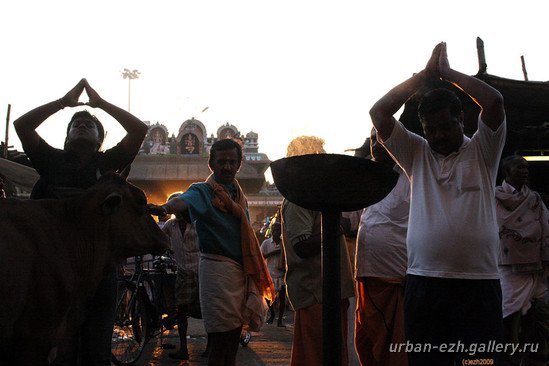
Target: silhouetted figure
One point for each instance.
(79, 165)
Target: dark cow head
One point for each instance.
(122, 207)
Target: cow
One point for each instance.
(53, 254)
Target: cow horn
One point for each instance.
(126, 171)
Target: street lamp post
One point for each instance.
(130, 75)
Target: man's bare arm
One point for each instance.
(383, 110)
(175, 205)
(26, 125)
(489, 99)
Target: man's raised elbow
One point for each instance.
(17, 125)
(143, 129)
(382, 122)
(378, 115)
(492, 101)
(497, 100)
(493, 110)
(375, 113)
(495, 105)
(139, 131)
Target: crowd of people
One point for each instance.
(447, 257)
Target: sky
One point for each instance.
(279, 68)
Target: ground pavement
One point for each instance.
(271, 346)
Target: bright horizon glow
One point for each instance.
(281, 69)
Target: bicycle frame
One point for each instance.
(139, 310)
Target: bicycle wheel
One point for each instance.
(130, 333)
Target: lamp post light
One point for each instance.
(130, 75)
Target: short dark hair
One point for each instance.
(223, 145)
(507, 162)
(88, 115)
(438, 99)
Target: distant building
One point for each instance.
(168, 163)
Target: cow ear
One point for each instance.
(111, 204)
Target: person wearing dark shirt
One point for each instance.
(79, 165)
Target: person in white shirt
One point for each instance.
(184, 244)
(271, 248)
(380, 270)
(452, 290)
(523, 221)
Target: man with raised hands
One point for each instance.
(453, 294)
(79, 165)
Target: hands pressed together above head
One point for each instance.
(438, 65)
(71, 98)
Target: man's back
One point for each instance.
(304, 275)
(381, 241)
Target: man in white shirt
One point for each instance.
(380, 270)
(453, 295)
(271, 248)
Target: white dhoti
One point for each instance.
(519, 290)
(222, 293)
(228, 299)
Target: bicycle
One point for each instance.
(141, 307)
